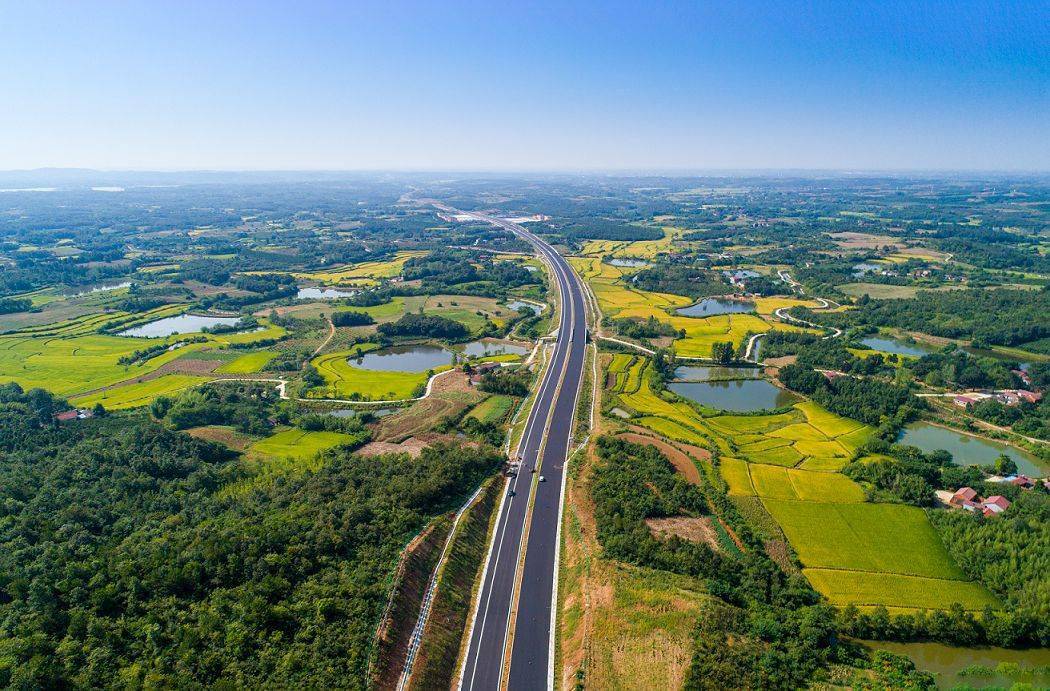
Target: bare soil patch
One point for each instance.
(412, 446)
(693, 529)
(228, 437)
(864, 241)
(781, 361)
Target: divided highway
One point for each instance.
(526, 617)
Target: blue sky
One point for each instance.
(525, 85)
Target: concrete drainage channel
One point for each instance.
(428, 596)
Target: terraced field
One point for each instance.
(852, 551)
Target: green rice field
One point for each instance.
(852, 551)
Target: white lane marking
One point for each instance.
(531, 426)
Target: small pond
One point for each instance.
(886, 344)
(946, 662)
(416, 358)
(740, 396)
(322, 294)
(377, 412)
(182, 324)
(861, 269)
(518, 304)
(740, 274)
(100, 289)
(629, 263)
(487, 348)
(995, 354)
(967, 450)
(708, 373)
(708, 307)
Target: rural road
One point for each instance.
(527, 527)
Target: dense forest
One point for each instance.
(985, 317)
(870, 401)
(123, 563)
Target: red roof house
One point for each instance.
(66, 415)
(964, 496)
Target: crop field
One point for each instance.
(346, 381)
(897, 590)
(492, 409)
(773, 482)
(248, 363)
(852, 551)
(298, 445)
(767, 306)
(362, 274)
(140, 393)
(638, 249)
(617, 299)
(888, 538)
(71, 357)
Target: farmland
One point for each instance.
(247, 364)
(619, 300)
(344, 380)
(788, 461)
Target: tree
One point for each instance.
(1004, 465)
(723, 352)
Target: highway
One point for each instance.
(544, 445)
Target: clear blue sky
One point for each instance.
(241, 84)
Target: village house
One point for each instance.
(75, 414)
(994, 505)
(964, 498)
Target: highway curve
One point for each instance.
(547, 434)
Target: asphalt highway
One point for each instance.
(544, 445)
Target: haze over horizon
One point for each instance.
(466, 86)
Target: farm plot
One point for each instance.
(852, 551)
(72, 357)
(889, 538)
(362, 274)
(897, 590)
(492, 409)
(297, 444)
(140, 393)
(772, 482)
(248, 363)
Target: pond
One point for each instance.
(322, 294)
(182, 324)
(415, 358)
(886, 344)
(968, 450)
(997, 355)
(375, 412)
(518, 304)
(946, 662)
(100, 289)
(861, 269)
(708, 307)
(740, 396)
(487, 348)
(740, 274)
(628, 263)
(709, 373)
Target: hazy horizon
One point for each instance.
(578, 87)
